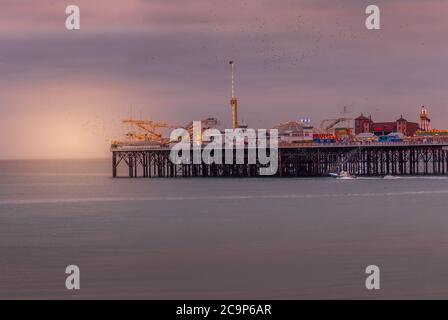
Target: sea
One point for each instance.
(218, 238)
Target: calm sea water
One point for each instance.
(218, 238)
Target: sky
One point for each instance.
(64, 93)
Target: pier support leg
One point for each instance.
(114, 164)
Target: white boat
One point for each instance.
(390, 177)
(342, 175)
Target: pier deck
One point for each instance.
(375, 159)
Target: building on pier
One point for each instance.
(365, 124)
(294, 132)
(425, 122)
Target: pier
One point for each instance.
(315, 160)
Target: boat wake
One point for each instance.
(391, 177)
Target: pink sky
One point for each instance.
(64, 93)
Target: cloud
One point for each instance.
(293, 57)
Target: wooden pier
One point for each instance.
(377, 159)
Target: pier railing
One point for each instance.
(143, 147)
